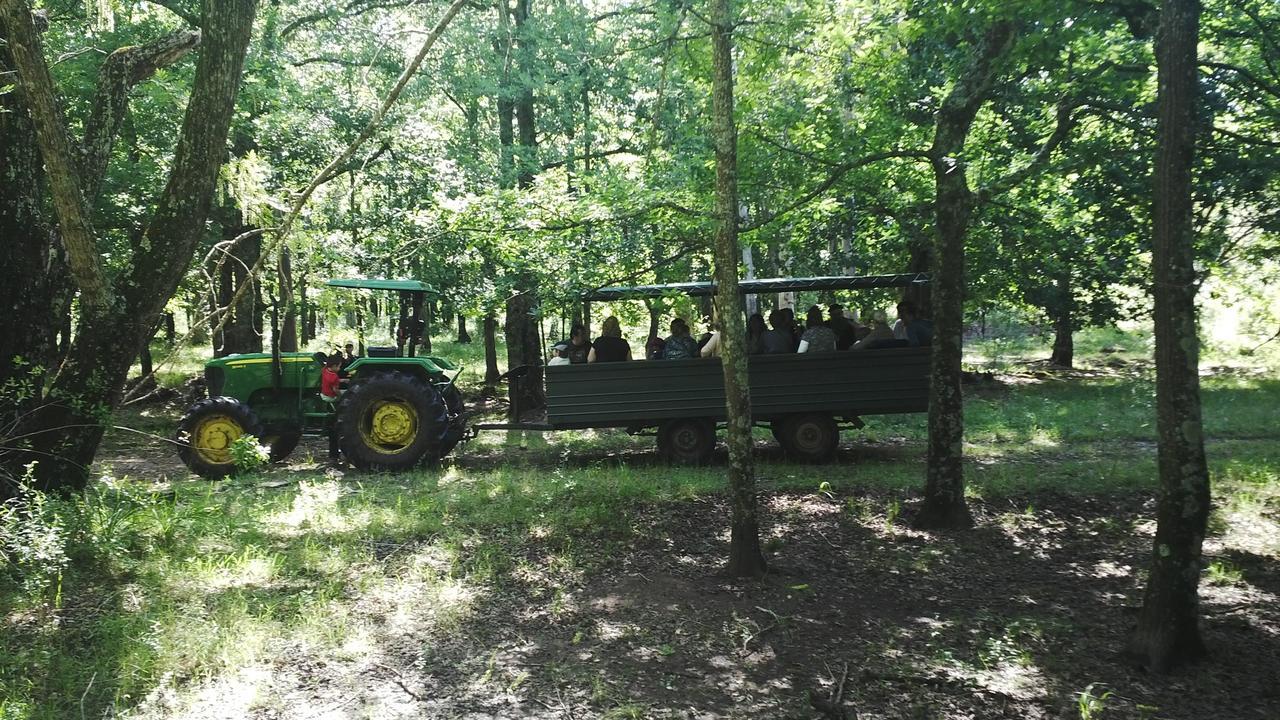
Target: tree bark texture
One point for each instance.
(491, 372)
(464, 337)
(1168, 632)
(39, 94)
(745, 557)
(66, 432)
(524, 347)
(243, 331)
(944, 504)
(288, 306)
(36, 293)
(1064, 349)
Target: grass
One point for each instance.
(166, 586)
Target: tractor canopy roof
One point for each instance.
(759, 287)
(407, 285)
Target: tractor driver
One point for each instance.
(329, 392)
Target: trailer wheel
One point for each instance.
(689, 441)
(206, 432)
(390, 421)
(811, 437)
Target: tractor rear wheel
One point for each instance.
(391, 421)
(206, 432)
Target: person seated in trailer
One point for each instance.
(846, 335)
(653, 350)
(679, 345)
(578, 347)
(709, 343)
(880, 334)
(917, 331)
(609, 347)
(789, 317)
(559, 354)
(780, 339)
(755, 334)
(817, 336)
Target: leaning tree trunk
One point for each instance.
(944, 504)
(115, 320)
(745, 558)
(524, 347)
(1168, 632)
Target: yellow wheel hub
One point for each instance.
(213, 437)
(391, 426)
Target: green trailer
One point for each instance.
(803, 398)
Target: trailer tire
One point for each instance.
(391, 421)
(810, 437)
(687, 441)
(206, 431)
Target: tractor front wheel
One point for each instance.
(391, 421)
(206, 432)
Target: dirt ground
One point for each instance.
(859, 617)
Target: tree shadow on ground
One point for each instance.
(1013, 619)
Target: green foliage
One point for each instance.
(248, 454)
(1091, 705)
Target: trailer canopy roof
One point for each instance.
(760, 287)
(410, 285)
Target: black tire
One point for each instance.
(391, 421)
(282, 444)
(688, 441)
(810, 437)
(206, 431)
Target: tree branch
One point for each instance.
(1247, 139)
(589, 156)
(120, 72)
(838, 172)
(375, 122)
(1061, 131)
(1259, 83)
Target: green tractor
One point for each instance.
(398, 410)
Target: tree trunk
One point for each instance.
(243, 331)
(1061, 307)
(524, 112)
(170, 330)
(524, 347)
(745, 558)
(35, 294)
(491, 372)
(464, 337)
(944, 504)
(1168, 632)
(65, 434)
(289, 323)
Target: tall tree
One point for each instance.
(745, 558)
(1168, 632)
(118, 309)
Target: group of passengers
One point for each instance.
(783, 335)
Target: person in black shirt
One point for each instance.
(610, 347)
(846, 335)
(577, 347)
(779, 340)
